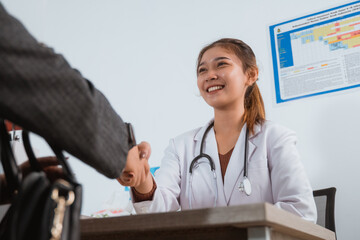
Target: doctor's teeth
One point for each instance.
(214, 88)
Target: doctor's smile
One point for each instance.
(214, 88)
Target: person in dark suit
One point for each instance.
(42, 93)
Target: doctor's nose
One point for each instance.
(212, 75)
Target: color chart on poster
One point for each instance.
(317, 54)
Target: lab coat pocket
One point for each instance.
(260, 182)
(258, 162)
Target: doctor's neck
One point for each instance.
(228, 121)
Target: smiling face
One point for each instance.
(221, 79)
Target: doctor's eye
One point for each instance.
(220, 64)
(201, 70)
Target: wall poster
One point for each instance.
(317, 53)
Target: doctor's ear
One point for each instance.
(252, 74)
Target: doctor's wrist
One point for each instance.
(146, 186)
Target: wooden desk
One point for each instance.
(255, 222)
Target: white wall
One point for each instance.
(142, 55)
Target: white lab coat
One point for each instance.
(274, 169)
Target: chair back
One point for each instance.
(325, 204)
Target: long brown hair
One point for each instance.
(253, 102)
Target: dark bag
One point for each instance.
(39, 209)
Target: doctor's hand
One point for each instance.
(137, 170)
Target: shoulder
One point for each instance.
(187, 136)
(182, 143)
(193, 135)
(273, 132)
(275, 128)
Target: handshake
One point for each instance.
(136, 172)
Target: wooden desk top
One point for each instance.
(237, 217)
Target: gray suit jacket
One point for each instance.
(42, 93)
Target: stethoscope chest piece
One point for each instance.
(245, 186)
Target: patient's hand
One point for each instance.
(137, 170)
(50, 165)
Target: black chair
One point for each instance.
(325, 204)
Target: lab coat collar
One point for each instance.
(199, 135)
(257, 130)
(210, 148)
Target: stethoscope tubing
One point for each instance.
(246, 153)
(201, 155)
(212, 165)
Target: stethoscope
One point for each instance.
(244, 186)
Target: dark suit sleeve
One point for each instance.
(42, 93)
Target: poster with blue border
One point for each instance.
(317, 54)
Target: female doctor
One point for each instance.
(236, 158)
